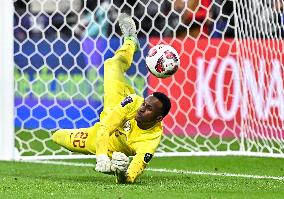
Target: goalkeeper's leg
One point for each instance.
(116, 87)
(77, 140)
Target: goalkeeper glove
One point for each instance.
(103, 164)
(119, 162)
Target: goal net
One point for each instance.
(261, 46)
(227, 96)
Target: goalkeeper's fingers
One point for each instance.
(119, 156)
(116, 168)
(120, 162)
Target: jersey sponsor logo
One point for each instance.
(126, 101)
(148, 157)
(127, 126)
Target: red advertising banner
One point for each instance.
(221, 86)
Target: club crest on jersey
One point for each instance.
(127, 126)
(148, 157)
(126, 101)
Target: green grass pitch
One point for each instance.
(167, 177)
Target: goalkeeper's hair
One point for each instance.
(165, 101)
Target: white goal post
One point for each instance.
(7, 133)
(227, 96)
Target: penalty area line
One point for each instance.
(178, 171)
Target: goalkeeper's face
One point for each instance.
(150, 111)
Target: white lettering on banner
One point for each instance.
(250, 85)
(221, 105)
(253, 84)
(203, 89)
(275, 96)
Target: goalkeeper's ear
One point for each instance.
(159, 118)
(165, 100)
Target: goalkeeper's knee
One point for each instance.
(59, 137)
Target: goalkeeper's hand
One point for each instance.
(119, 162)
(103, 164)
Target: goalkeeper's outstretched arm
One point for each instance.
(107, 126)
(135, 169)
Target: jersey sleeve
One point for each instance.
(143, 156)
(137, 166)
(112, 121)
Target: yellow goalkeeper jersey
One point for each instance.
(127, 137)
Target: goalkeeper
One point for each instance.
(129, 124)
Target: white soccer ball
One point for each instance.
(162, 60)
